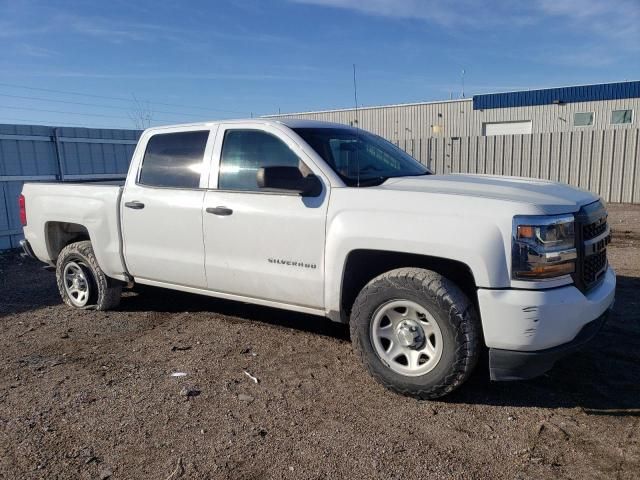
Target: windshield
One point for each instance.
(360, 158)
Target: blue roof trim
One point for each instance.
(586, 93)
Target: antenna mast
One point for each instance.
(355, 98)
(355, 92)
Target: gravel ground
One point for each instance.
(88, 394)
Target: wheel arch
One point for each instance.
(363, 265)
(60, 234)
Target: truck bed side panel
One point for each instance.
(95, 207)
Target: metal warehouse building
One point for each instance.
(577, 108)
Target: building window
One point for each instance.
(621, 116)
(583, 119)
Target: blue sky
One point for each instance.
(82, 63)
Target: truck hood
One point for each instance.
(542, 193)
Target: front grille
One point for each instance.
(592, 240)
(593, 267)
(594, 229)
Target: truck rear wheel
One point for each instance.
(81, 281)
(416, 332)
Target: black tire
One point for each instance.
(454, 314)
(104, 292)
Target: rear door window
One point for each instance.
(174, 159)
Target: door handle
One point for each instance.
(222, 211)
(135, 205)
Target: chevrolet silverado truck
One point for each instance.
(330, 220)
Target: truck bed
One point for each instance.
(90, 207)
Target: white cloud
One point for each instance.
(115, 32)
(608, 19)
(118, 31)
(616, 20)
(34, 51)
(175, 75)
(447, 13)
(76, 24)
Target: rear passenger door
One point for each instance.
(263, 244)
(161, 208)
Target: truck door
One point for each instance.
(161, 208)
(263, 245)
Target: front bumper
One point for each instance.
(513, 365)
(528, 330)
(532, 320)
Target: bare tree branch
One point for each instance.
(141, 114)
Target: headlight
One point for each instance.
(543, 247)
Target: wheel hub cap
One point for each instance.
(406, 337)
(410, 334)
(76, 284)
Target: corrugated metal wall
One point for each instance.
(457, 118)
(39, 153)
(606, 162)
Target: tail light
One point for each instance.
(23, 210)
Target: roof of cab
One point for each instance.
(300, 123)
(288, 122)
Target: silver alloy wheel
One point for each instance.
(76, 284)
(406, 337)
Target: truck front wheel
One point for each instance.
(416, 332)
(81, 281)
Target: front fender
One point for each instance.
(473, 242)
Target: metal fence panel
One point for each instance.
(41, 153)
(575, 156)
(634, 177)
(5, 240)
(10, 228)
(606, 162)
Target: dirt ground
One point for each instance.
(90, 394)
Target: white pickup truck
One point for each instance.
(331, 220)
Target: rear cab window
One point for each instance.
(174, 160)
